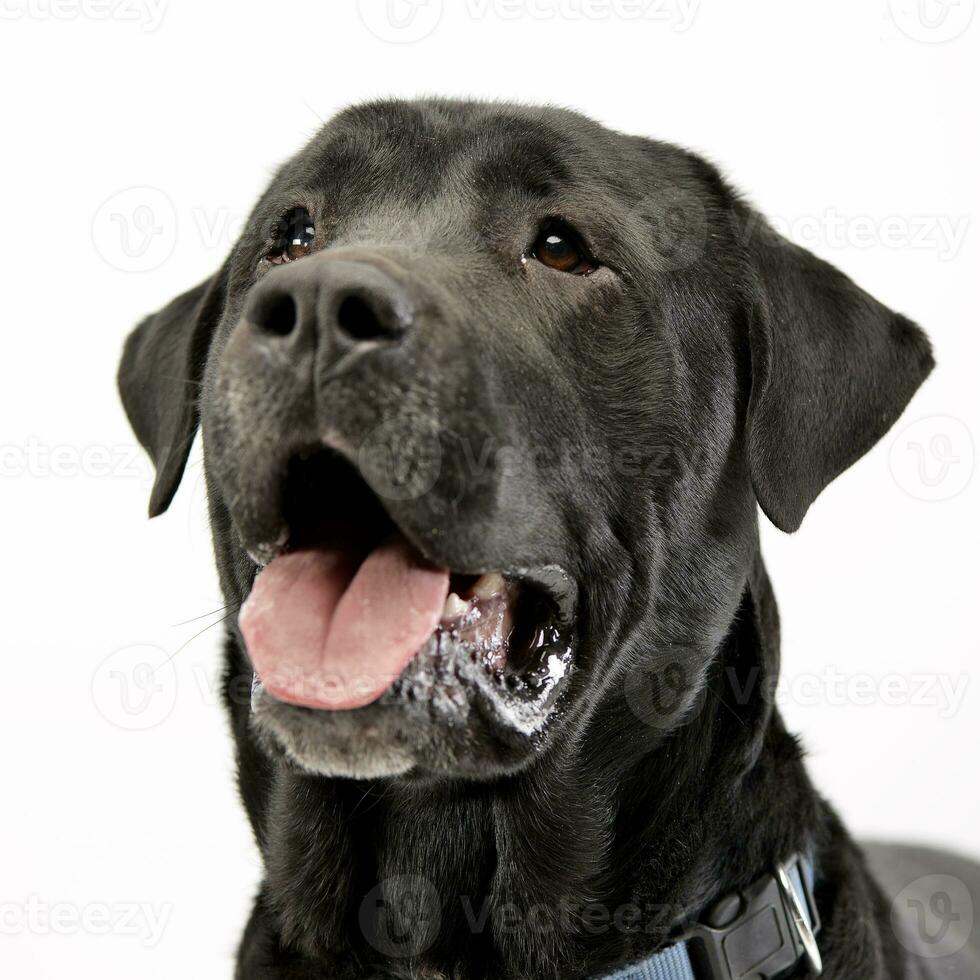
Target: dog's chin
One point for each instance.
(445, 715)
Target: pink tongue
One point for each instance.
(326, 634)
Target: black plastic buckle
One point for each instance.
(761, 932)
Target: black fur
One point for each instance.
(708, 366)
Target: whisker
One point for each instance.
(187, 643)
(213, 612)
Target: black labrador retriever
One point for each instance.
(489, 396)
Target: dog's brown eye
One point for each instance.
(559, 247)
(293, 236)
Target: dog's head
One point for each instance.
(488, 397)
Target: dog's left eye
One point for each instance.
(558, 246)
(293, 236)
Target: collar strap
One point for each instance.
(760, 933)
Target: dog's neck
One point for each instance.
(540, 873)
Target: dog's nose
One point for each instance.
(334, 303)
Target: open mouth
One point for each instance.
(349, 612)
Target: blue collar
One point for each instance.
(761, 931)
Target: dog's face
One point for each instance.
(488, 397)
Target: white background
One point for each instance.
(853, 125)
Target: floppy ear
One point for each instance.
(159, 380)
(832, 369)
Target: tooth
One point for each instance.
(487, 586)
(455, 607)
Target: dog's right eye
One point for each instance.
(559, 247)
(293, 236)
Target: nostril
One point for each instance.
(358, 319)
(276, 314)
